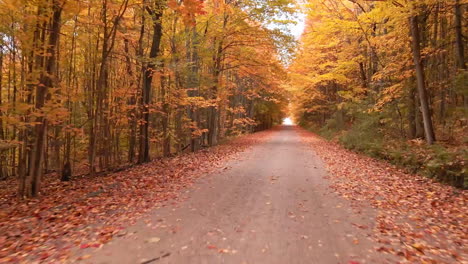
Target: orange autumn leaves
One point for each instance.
(188, 9)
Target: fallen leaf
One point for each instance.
(153, 240)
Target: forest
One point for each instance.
(233, 131)
(91, 86)
(388, 78)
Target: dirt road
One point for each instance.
(270, 206)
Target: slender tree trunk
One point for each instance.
(132, 103)
(165, 115)
(193, 82)
(459, 35)
(363, 76)
(91, 104)
(443, 72)
(2, 135)
(102, 123)
(421, 86)
(13, 83)
(213, 125)
(148, 70)
(46, 81)
(3, 157)
(66, 167)
(412, 112)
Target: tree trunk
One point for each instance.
(147, 72)
(213, 125)
(193, 82)
(165, 115)
(443, 71)
(46, 81)
(459, 35)
(3, 156)
(411, 112)
(421, 86)
(132, 103)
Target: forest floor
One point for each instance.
(280, 196)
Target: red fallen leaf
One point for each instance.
(94, 245)
(382, 249)
(211, 247)
(455, 255)
(44, 255)
(408, 254)
(361, 226)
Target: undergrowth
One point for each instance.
(444, 163)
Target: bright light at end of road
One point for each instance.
(288, 121)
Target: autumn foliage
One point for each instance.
(93, 86)
(387, 78)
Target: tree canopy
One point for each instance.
(93, 85)
(382, 72)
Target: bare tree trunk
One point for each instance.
(412, 112)
(363, 76)
(3, 157)
(2, 135)
(193, 82)
(442, 72)
(421, 86)
(46, 81)
(213, 124)
(459, 35)
(148, 70)
(165, 116)
(132, 102)
(66, 166)
(102, 124)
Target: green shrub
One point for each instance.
(447, 165)
(364, 136)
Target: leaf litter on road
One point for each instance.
(89, 211)
(419, 220)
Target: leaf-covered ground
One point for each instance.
(419, 220)
(89, 211)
